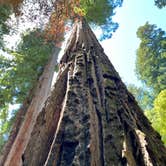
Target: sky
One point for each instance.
(121, 48)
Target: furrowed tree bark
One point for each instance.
(27, 115)
(90, 118)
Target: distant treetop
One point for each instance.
(160, 3)
(151, 57)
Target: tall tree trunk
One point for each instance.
(90, 118)
(27, 115)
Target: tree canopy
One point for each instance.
(19, 74)
(151, 57)
(160, 3)
(98, 12)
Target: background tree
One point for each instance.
(151, 68)
(19, 73)
(151, 57)
(158, 114)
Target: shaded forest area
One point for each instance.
(21, 67)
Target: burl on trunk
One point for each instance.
(90, 118)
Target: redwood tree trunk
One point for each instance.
(90, 118)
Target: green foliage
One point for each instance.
(160, 3)
(151, 57)
(19, 74)
(100, 12)
(96, 11)
(158, 114)
(5, 125)
(5, 11)
(142, 96)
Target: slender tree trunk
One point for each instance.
(27, 115)
(90, 118)
(16, 126)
